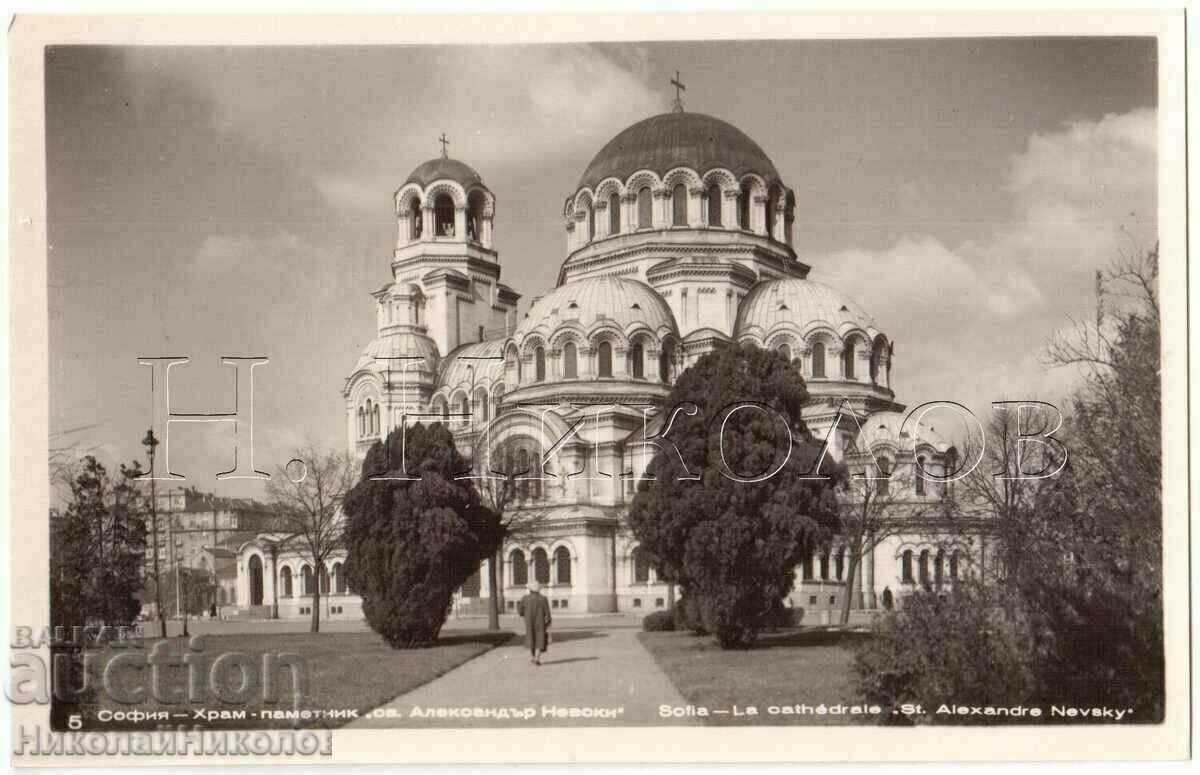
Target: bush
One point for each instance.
(411, 543)
(687, 615)
(659, 621)
(962, 647)
(781, 616)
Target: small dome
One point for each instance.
(694, 140)
(397, 344)
(444, 168)
(799, 302)
(619, 300)
(473, 365)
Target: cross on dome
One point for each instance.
(444, 143)
(679, 88)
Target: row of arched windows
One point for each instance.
(444, 224)
(818, 352)
(306, 580)
(541, 561)
(368, 420)
(823, 566)
(603, 362)
(713, 205)
(923, 576)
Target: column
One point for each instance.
(426, 223)
(696, 215)
(460, 223)
(487, 231)
(758, 214)
(661, 201)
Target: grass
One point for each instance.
(347, 671)
(809, 666)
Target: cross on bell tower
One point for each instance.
(444, 143)
(679, 89)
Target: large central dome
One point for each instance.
(679, 139)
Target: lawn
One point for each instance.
(809, 666)
(347, 671)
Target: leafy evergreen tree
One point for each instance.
(734, 537)
(412, 542)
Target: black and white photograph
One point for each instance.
(758, 380)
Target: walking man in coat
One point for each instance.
(536, 610)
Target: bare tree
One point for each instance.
(307, 504)
(874, 509)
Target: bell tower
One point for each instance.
(445, 268)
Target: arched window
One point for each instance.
(324, 580)
(641, 566)
(955, 564)
(806, 567)
(415, 220)
(362, 425)
(475, 205)
(604, 355)
(876, 359)
(539, 360)
(839, 563)
(848, 360)
(906, 570)
(920, 477)
(664, 361)
(285, 581)
(636, 356)
(306, 580)
(882, 483)
(522, 470)
(744, 206)
(443, 216)
(541, 566)
(818, 360)
(519, 572)
(562, 565)
(614, 214)
(645, 208)
(339, 578)
(939, 561)
(825, 566)
(375, 426)
(462, 408)
(923, 567)
(679, 204)
(714, 205)
(591, 222)
(785, 351)
(570, 361)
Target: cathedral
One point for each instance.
(679, 240)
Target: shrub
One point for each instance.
(411, 543)
(659, 621)
(687, 615)
(962, 647)
(781, 616)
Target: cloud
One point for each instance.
(976, 316)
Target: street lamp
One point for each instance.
(150, 443)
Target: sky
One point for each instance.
(207, 201)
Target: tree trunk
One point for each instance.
(493, 599)
(852, 582)
(500, 580)
(316, 612)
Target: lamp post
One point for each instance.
(150, 443)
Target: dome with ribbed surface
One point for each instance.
(801, 303)
(397, 344)
(444, 168)
(695, 140)
(616, 300)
